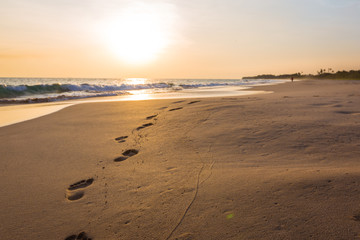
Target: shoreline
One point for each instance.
(16, 113)
(269, 166)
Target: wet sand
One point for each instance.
(15, 113)
(272, 166)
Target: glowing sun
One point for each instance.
(140, 32)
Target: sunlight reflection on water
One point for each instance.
(139, 95)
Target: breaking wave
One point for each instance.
(28, 91)
(10, 91)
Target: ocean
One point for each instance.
(35, 90)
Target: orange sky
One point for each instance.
(176, 39)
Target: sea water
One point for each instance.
(35, 90)
(54, 94)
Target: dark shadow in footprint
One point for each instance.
(151, 117)
(174, 109)
(81, 184)
(338, 105)
(193, 102)
(320, 104)
(120, 159)
(162, 108)
(144, 126)
(356, 217)
(80, 236)
(72, 196)
(121, 139)
(347, 112)
(130, 152)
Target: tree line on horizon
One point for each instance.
(321, 74)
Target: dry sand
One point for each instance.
(274, 166)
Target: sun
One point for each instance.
(140, 32)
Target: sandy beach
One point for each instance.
(283, 165)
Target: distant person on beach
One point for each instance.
(292, 79)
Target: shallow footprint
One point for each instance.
(144, 126)
(174, 109)
(356, 217)
(120, 159)
(151, 117)
(185, 236)
(130, 152)
(348, 112)
(81, 184)
(121, 139)
(193, 102)
(72, 196)
(80, 236)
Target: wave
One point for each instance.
(57, 92)
(20, 90)
(45, 98)
(11, 91)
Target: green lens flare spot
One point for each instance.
(230, 216)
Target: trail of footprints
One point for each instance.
(338, 105)
(76, 190)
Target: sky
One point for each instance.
(177, 39)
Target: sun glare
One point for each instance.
(140, 32)
(135, 81)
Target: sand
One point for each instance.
(15, 113)
(273, 166)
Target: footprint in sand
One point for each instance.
(185, 236)
(72, 194)
(126, 154)
(151, 117)
(193, 102)
(174, 109)
(348, 112)
(80, 236)
(144, 126)
(337, 106)
(81, 184)
(121, 139)
(356, 217)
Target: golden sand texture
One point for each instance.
(272, 166)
